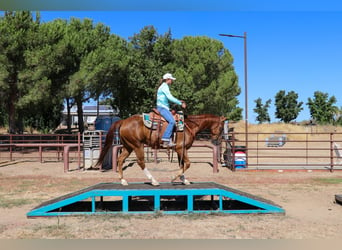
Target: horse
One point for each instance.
(134, 135)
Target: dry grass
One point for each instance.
(289, 130)
(239, 127)
(284, 128)
(307, 199)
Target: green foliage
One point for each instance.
(329, 180)
(262, 110)
(45, 76)
(338, 117)
(43, 64)
(144, 71)
(287, 106)
(82, 37)
(3, 114)
(18, 36)
(205, 77)
(105, 68)
(322, 108)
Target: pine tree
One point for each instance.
(322, 108)
(262, 110)
(287, 106)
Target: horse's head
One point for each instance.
(217, 130)
(213, 123)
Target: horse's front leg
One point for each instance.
(184, 164)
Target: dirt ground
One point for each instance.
(307, 197)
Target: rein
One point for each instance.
(190, 130)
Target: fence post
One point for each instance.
(233, 151)
(11, 140)
(215, 161)
(40, 154)
(79, 149)
(66, 158)
(331, 152)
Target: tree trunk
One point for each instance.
(68, 119)
(11, 114)
(80, 115)
(12, 100)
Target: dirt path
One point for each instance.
(308, 199)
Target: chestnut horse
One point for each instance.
(134, 135)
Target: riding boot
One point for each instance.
(168, 143)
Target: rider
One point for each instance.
(164, 96)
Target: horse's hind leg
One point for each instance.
(141, 162)
(122, 157)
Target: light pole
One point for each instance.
(246, 88)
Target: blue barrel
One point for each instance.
(104, 122)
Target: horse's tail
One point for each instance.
(113, 130)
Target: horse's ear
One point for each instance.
(222, 118)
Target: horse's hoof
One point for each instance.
(173, 178)
(186, 182)
(124, 182)
(155, 183)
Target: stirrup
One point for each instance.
(168, 144)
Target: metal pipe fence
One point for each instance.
(265, 150)
(290, 150)
(31, 147)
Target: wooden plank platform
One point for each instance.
(168, 198)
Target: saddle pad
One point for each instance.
(149, 123)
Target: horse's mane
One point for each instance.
(202, 116)
(196, 120)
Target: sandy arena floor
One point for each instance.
(307, 197)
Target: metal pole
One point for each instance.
(246, 89)
(246, 97)
(79, 150)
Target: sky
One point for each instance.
(291, 45)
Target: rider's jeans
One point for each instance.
(169, 118)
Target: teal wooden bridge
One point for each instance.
(143, 198)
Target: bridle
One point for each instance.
(218, 140)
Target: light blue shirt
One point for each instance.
(164, 96)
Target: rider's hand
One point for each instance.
(183, 104)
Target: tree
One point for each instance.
(105, 70)
(41, 65)
(206, 79)
(3, 114)
(338, 117)
(81, 37)
(262, 110)
(287, 106)
(322, 108)
(149, 52)
(18, 32)
(46, 76)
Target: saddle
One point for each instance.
(154, 119)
